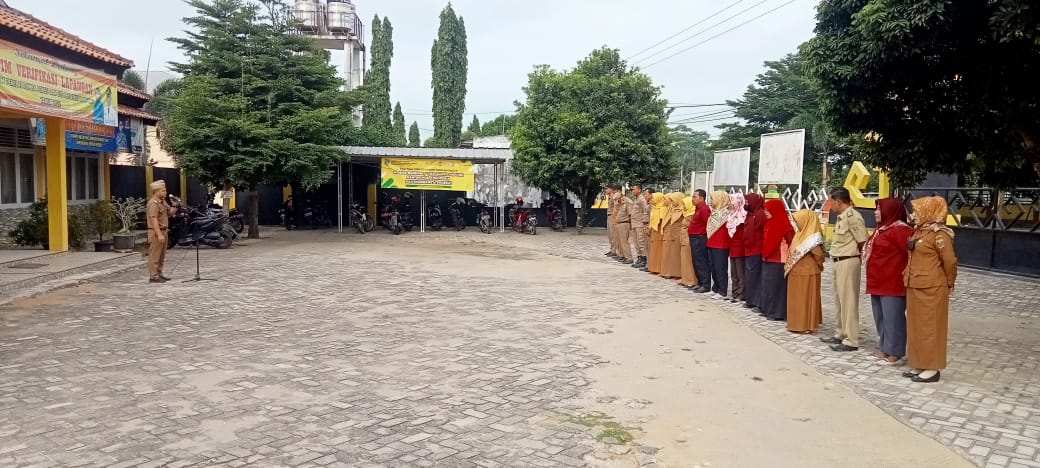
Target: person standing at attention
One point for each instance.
(804, 269)
(718, 244)
(929, 278)
(640, 218)
(623, 220)
(885, 258)
(754, 231)
(657, 215)
(648, 197)
(610, 221)
(735, 227)
(158, 213)
(850, 234)
(671, 266)
(698, 232)
(778, 232)
(689, 278)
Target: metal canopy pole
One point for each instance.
(350, 189)
(500, 169)
(339, 194)
(422, 211)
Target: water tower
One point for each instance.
(334, 25)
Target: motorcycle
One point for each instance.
(433, 216)
(555, 218)
(359, 217)
(315, 215)
(190, 226)
(525, 222)
(457, 218)
(485, 221)
(235, 217)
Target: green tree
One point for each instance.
(399, 131)
(936, 85)
(474, 126)
(450, 66)
(500, 125)
(693, 153)
(377, 80)
(785, 98)
(133, 79)
(414, 140)
(162, 98)
(256, 105)
(600, 122)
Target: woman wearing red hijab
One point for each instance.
(885, 257)
(754, 225)
(774, 284)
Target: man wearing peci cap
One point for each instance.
(158, 221)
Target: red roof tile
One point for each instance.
(132, 91)
(26, 23)
(138, 113)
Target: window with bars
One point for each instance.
(17, 167)
(83, 175)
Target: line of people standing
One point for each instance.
(749, 250)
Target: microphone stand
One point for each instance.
(198, 276)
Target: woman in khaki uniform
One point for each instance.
(656, 235)
(929, 278)
(689, 276)
(671, 267)
(803, 269)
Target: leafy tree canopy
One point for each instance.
(400, 137)
(600, 122)
(500, 125)
(449, 62)
(134, 79)
(938, 85)
(414, 140)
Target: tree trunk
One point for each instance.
(588, 197)
(254, 214)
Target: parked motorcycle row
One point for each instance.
(202, 225)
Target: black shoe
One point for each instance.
(156, 280)
(775, 319)
(700, 290)
(164, 277)
(625, 261)
(932, 379)
(645, 270)
(842, 347)
(831, 340)
(909, 374)
(748, 306)
(610, 254)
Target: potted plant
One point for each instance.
(33, 230)
(127, 210)
(102, 219)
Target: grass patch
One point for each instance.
(615, 431)
(608, 427)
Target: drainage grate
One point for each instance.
(28, 266)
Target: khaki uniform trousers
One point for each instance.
(846, 301)
(156, 254)
(641, 238)
(612, 235)
(621, 233)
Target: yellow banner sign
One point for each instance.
(39, 84)
(427, 174)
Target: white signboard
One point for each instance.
(701, 180)
(782, 158)
(733, 167)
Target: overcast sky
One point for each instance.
(506, 39)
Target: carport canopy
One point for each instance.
(374, 154)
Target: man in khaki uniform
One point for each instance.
(640, 225)
(609, 191)
(850, 233)
(158, 213)
(623, 221)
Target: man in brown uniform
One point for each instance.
(158, 221)
(623, 221)
(648, 197)
(609, 191)
(850, 233)
(640, 225)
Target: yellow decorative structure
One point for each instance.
(57, 193)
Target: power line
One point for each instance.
(719, 34)
(695, 105)
(496, 113)
(700, 114)
(694, 121)
(630, 57)
(709, 28)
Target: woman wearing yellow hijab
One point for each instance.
(803, 270)
(689, 277)
(653, 264)
(671, 267)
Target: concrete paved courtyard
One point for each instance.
(464, 350)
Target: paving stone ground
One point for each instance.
(321, 349)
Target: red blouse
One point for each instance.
(777, 255)
(719, 240)
(888, 258)
(736, 248)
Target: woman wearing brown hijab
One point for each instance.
(689, 276)
(671, 264)
(929, 278)
(803, 269)
(657, 213)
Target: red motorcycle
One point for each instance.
(524, 221)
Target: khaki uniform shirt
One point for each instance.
(624, 210)
(158, 209)
(640, 212)
(933, 263)
(849, 232)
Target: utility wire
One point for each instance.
(693, 121)
(709, 28)
(684, 106)
(700, 114)
(719, 34)
(630, 57)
